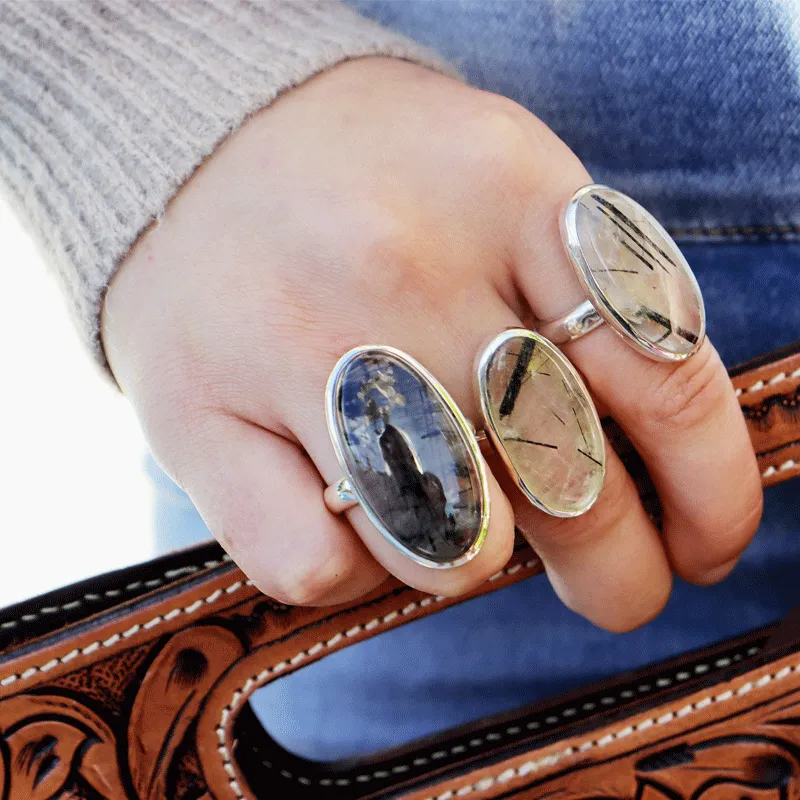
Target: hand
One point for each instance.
(381, 203)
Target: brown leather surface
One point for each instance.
(139, 690)
(769, 395)
(736, 739)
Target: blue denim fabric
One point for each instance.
(692, 108)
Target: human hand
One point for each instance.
(382, 203)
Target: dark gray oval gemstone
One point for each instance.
(410, 457)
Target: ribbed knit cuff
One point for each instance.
(107, 108)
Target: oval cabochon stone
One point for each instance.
(636, 276)
(542, 422)
(411, 459)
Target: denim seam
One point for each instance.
(786, 232)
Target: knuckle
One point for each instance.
(310, 583)
(465, 579)
(740, 532)
(498, 128)
(691, 392)
(382, 243)
(511, 149)
(374, 256)
(614, 503)
(608, 513)
(499, 144)
(414, 274)
(237, 522)
(388, 247)
(554, 538)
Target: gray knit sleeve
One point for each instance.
(106, 108)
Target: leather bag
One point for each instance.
(135, 684)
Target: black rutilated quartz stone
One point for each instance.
(409, 457)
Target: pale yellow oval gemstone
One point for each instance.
(636, 275)
(542, 422)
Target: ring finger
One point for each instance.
(682, 417)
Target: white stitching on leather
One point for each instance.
(131, 587)
(256, 681)
(116, 638)
(781, 376)
(770, 471)
(493, 736)
(486, 783)
(259, 679)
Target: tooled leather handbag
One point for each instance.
(135, 685)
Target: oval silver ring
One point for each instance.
(410, 458)
(542, 422)
(635, 277)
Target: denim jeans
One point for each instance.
(694, 109)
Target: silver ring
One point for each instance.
(635, 277)
(576, 323)
(410, 458)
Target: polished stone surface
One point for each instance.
(634, 268)
(409, 458)
(543, 423)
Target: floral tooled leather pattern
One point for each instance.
(58, 746)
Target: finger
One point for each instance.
(262, 499)
(686, 423)
(607, 565)
(683, 418)
(448, 353)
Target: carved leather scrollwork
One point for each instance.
(56, 747)
(759, 762)
(754, 766)
(128, 687)
(169, 699)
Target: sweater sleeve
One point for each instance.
(108, 106)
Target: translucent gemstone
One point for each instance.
(635, 273)
(411, 458)
(542, 422)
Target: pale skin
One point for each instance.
(382, 203)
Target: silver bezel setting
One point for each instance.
(570, 238)
(332, 395)
(483, 365)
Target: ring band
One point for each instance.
(634, 275)
(340, 497)
(576, 323)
